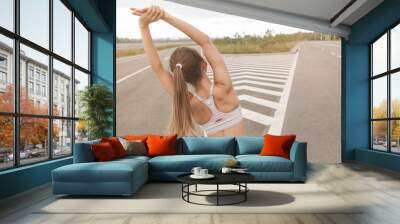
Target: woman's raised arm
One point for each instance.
(221, 74)
(146, 17)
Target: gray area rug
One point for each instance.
(166, 198)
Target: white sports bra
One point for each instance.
(219, 120)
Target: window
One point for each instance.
(81, 45)
(7, 14)
(6, 74)
(81, 82)
(6, 142)
(385, 92)
(30, 87)
(44, 91)
(3, 78)
(62, 137)
(33, 147)
(37, 90)
(35, 21)
(30, 73)
(62, 29)
(62, 74)
(47, 76)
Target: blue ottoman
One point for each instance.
(118, 177)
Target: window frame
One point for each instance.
(16, 113)
(388, 74)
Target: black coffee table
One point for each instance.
(238, 179)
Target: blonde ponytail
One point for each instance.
(181, 122)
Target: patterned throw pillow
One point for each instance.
(134, 147)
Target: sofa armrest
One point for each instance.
(83, 152)
(298, 155)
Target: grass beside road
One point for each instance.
(267, 43)
(135, 51)
(247, 44)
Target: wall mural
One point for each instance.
(192, 71)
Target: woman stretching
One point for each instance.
(213, 106)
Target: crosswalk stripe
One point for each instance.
(258, 90)
(263, 78)
(264, 73)
(260, 66)
(258, 78)
(257, 117)
(258, 101)
(259, 83)
(277, 71)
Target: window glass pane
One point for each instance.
(62, 89)
(81, 45)
(379, 135)
(6, 142)
(35, 21)
(62, 29)
(395, 136)
(379, 55)
(34, 72)
(395, 94)
(33, 139)
(62, 137)
(6, 74)
(81, 82)
(379, 97)
(395, 47)
(81, 131)
(7, 14)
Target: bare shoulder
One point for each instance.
(225, 100)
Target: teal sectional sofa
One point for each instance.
(125, 176)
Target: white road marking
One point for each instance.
(258, 83)
(130, 58)
(257, 117)
(263, 71)
(258, 78)
(258, 90)
(258, 101)
(133, 74)
(279, 116)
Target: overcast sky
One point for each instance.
(213, 23)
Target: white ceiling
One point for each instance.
(314, 15)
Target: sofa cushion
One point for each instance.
(257, 163)
(206, 145)
(134, 147)
(161, 145)
(116, 145)
(103, 152)
(277, 145)
(249, 145)
(112, 171)
(185, 163)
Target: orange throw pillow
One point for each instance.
(161, 145)
(116, 145)
(103, 152)
(277, 145)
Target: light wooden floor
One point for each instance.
(353, 182)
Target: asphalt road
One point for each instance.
(262, 83)
(314, 107)
(297, 92)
